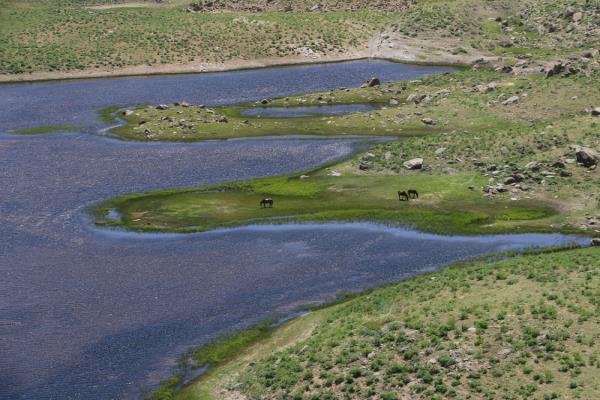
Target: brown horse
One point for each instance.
(403, 196)
(413, 194)
(266, 202)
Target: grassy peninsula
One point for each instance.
(495, 152)
(523, 328)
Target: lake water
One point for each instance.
(95, 314)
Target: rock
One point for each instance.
(368, 157)
(565, 174)
(415, 163)
(394, 102)
(596, 112)
(441, 150)
(586, 156)
(511, 100)
(371, 82)
(577, 17)
(162, 107)
(559, 165)
(554, 69)
(127, 113)
(363, 167)
(510, 180)
(533, 165)
(304, 176)
(334, 173)
(387, 156)
(504, 353)
(264, 101)
(519, 177)
(416, 98)
(504, 151)
(428, 121)
(595, 242)
(490, 87)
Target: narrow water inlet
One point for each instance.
(308, 111)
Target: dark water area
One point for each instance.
(96, 314)
(295, 112)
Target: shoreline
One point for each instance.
(202, 68)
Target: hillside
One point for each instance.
(53, 39)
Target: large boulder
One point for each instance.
(554, 68)
(415, 163)
(586, 156)
(372, 82)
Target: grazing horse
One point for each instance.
(266, 202)
(413, 194)
(403, 196)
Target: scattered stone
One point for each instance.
(387, 156)
(440, 151)
(264, 101)
(595, 242)
(415, 163)
(596, 112)
(304, 176)
(490, 87)
(428, 121)
(162, 107)
(127, 113)
(363, 167)
(504, 151)
(493, 189)
(394, 102)
(510, 180)
(334, 173)
(533, 165)
(511, 100)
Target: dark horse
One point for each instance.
(413, 194)
(266, 202)
(403, 196)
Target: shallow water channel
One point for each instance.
(95, 314)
